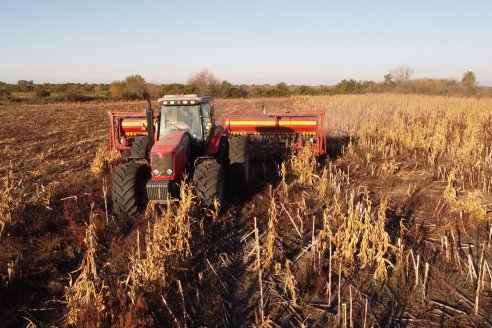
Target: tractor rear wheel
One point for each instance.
(124, 156)
(128, 189)
(208, 181)
(139, 147)
(239, 161)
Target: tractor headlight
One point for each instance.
(156, 172)
(169, 171)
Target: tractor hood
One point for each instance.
(170, 155)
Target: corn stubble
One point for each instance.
(347, 246)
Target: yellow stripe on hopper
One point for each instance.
(269, 123)
(133, 124)
(297, 123)
(252, 123)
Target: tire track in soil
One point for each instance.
(242, 282)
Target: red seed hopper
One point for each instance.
(124, 127)
(292, 127)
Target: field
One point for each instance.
(394, 228)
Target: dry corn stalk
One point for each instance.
(362, 234)
(103, 160)
(6, 202)
(271, 234)
(290, 283)
(303, 165)
(85, 296)
(167, 242)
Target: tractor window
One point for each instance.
(181, 118)
(206, 117)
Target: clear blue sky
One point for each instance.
(299, 42)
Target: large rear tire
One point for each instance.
(128, 189)
(139, 147)
(208, 181)
(239, 161)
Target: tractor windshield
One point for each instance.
(181, 118)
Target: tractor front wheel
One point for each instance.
(208, 181)
(128, 189)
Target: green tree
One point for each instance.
(282, 89)
(225, 89)
(135, 87)
(347, 86)
(25, 86)
(306, 90)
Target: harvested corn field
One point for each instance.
(392, 228)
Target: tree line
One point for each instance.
(205, 82)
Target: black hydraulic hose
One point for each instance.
(150, 122)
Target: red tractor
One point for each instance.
(158, 148)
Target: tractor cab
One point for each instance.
(188, 113)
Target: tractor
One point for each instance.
(158, 148)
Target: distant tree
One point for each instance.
(353, 87)
(225, 89)
(469, 79)
(305, 90)
(4, 92)
(75, 93)
(388, 78)
(171, 89)
(282, 89)
(204, 82)
(135, 87)
(117, 89)
(239, 92)
(402, 73)
(189, 89)
(347, 86)
(25, 86)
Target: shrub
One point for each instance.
(4, 93)
(42, 93)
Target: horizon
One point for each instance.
(315, 43)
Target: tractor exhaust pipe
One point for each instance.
(150, 122)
